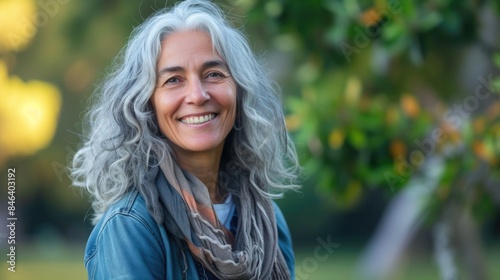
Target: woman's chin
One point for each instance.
(202, 146)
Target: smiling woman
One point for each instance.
(195, 104)
(185, 148)
(195, 96)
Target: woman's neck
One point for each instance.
(205, 166)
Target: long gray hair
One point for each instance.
(122, 139)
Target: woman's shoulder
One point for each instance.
(130, 211)
(280, 219)
(125, 241)
(130, 204)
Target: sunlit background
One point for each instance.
(394, 107)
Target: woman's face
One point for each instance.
(195, 97)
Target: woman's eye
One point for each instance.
(173, 80)
(214, 76)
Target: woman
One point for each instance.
(184, 149)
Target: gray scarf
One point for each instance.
(181, 202)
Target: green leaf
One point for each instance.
(393, 31)
(430, 21)
(496, 84)
(496, 59)
(357, 138)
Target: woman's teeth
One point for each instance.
(198, 120)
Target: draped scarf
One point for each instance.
(181, 202)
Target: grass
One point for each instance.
(63, 262)
(342, 264)
(49, 262)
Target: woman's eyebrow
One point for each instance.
(204, 66)
(170, 69)
(214, 63)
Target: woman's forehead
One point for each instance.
(184, 47)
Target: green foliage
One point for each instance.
(377, 92)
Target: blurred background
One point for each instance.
(394, 107)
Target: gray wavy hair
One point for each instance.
(122, 139)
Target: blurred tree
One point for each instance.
(17, 30)
(28, 115)
(29, 111)
(386, 85)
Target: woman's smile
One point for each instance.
(195, 95)
(198, 120)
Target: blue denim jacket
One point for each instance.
(127, 243)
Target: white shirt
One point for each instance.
(225, 211)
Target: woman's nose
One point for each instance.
(196, 92)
